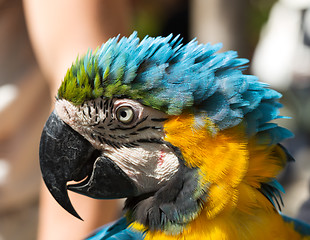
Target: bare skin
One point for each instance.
(59, 31)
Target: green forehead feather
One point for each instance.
(163, 74)
(85, 80)
(82, 81)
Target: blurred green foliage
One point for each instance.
(159, 17)
(257, 15)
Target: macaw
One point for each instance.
(180, 132)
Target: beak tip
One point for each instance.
(78, 216)
(61, 196)
(55, 167)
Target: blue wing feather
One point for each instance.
(116, 231)
(299, 226)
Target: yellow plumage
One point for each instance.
(234, 226)
(232, 167)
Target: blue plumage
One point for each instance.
(300, 226)
(171, 77)
(116, 231)
(193, 76)
(174, 78)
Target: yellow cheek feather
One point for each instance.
(222, 157)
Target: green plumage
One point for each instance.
(81, 82)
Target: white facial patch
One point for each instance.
(149, 166)
(136, 146)
(75, 116)
(96, 121)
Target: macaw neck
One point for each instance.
(251, 217)
(260, 225)
(171, 207)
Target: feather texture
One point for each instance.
(220, 120)
(167, 76)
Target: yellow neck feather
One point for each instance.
(233, 167)
(222, 157)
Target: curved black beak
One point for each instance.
(65, 155)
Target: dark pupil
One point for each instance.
(123, 114)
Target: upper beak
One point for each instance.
(65, 155)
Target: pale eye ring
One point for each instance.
(125, 114)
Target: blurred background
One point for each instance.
(40, 39)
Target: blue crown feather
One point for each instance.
(162, 73)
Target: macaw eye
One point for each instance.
(125, 114)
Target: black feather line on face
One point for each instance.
(102, 129)
(143, 128)
(123, 137)
(93, 136)
(157, 128)
(133, 133)
(111, 104)
(106, 109)
(111, 136)
(100, 140)
(127, 144)
(110, 123)
(159, 119)
(150, 140)
(131, 127)
(89, 111)
(99, 133)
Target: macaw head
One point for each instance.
(169, 127)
